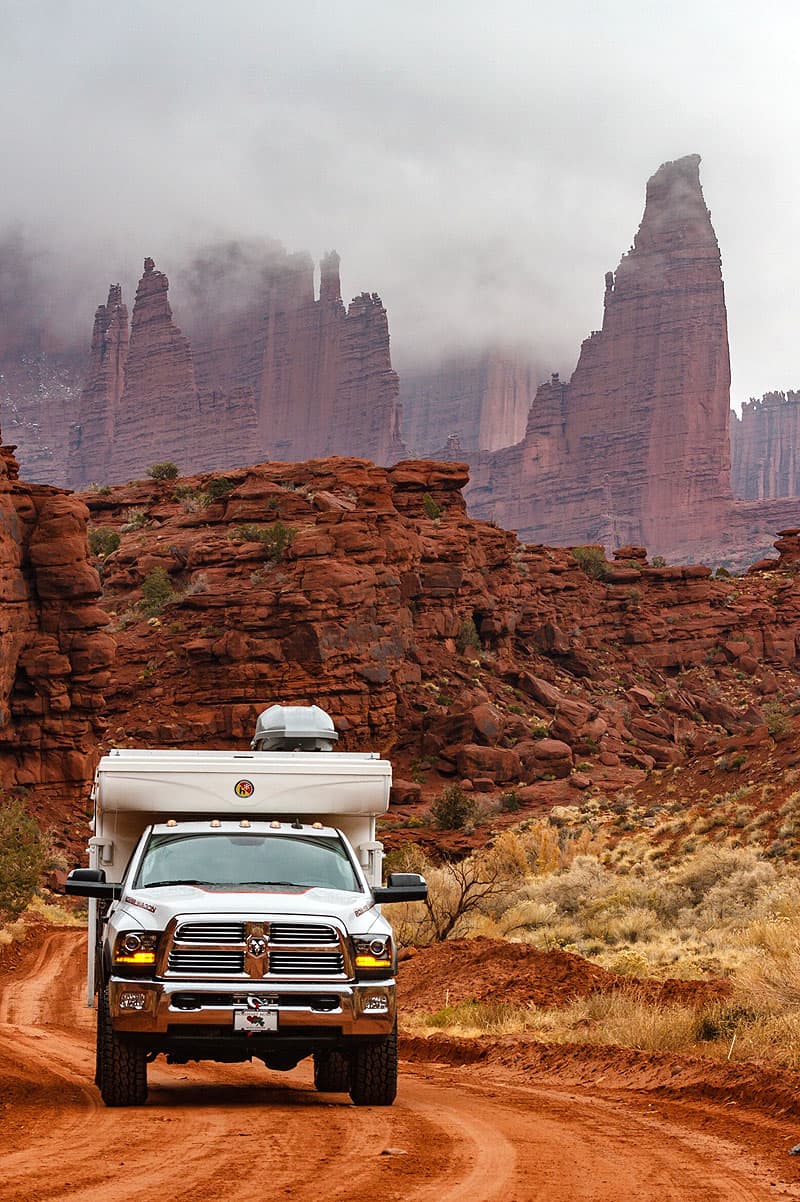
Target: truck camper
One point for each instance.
(235, 910)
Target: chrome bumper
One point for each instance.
(158, 1007)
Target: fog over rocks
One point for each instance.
(479, 169)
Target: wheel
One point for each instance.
(373, 1072)
(121, 1064)
(331, 1072)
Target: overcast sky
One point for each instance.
(480, 165)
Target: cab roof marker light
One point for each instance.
(171, 822)
(245, 823)
(215, 822)
(316, 826)
(276, 826)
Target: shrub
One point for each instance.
(219, 486)
(453, 810)
(134, 519)
(432, 509)
(778, 723)
(22, 856)
(276, 538)
(468, 637)
(658, 561)
(156, 591)
(163, 471)
(591, 560)
(103, 540)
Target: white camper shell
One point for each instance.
(134, 789)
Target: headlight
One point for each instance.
(135, 949)
(374, 955)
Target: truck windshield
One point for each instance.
(246, 862)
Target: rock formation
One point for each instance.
(54, 655)
(635, 446)
(293, 378)
(439, 638)
(765, 447)
(468, 403)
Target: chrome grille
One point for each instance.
(295, 932)
(224, 948)
(210, 932)
(305, 964)
(208, 960)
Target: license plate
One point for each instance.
(255, 1020)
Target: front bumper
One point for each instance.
(181, 1007)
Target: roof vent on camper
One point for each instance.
(294, 728)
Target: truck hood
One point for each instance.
(154, 908)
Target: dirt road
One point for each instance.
(241, 1133)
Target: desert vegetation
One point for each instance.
(567, 883)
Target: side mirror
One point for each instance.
(91, 882)
(402, 886)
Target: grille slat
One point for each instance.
(210, 932)
(210, 960)
(301, 933)
(306, 963)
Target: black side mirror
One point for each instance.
(402, 886)
(91, 882)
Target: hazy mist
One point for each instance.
(480, 166)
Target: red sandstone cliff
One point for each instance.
(430, 634)
(765, 447)
(468, 403)
(290, 377)
(54, 655)
(635, 447)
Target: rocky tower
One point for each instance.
(765, 447)
(93, 435)
(158, 412)
(54, 656)
(635, 447)
(327, 386)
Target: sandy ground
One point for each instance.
(472, 1123)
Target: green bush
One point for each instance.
(431, 507)
(453, 810)
(591, 560)
(276, 538)
(22, 856)
(156, 591)
(220, 486)
(163, 471)
(103, 540)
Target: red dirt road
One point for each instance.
(457, 1133)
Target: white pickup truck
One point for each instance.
(235, 910)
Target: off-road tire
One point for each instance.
(331, 1072)
(122, 1064)
(373, 1072)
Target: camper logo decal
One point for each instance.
(244, 788)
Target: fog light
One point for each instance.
(376, 1003)
(132, 1001)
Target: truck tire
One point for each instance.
(121, 1063)
(373, 1072)
(331, 1072)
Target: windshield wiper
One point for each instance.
(278, 884)
(187, 881)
